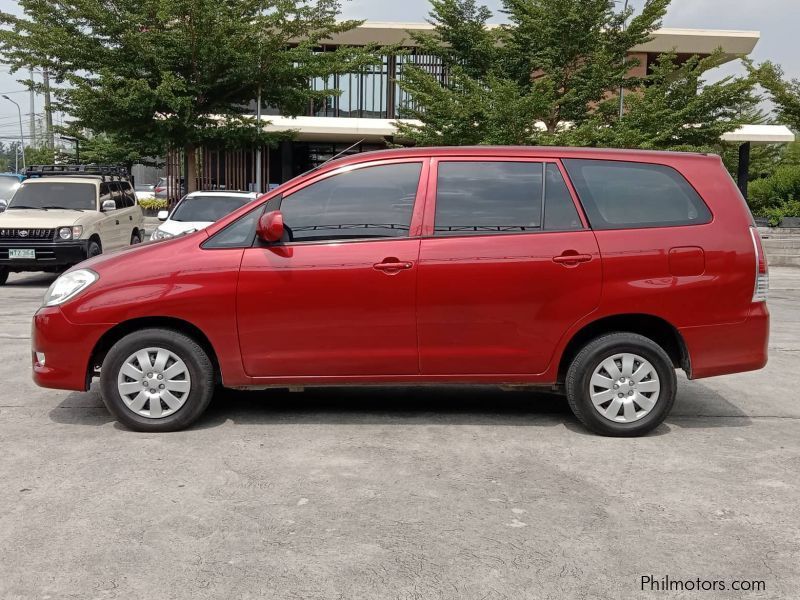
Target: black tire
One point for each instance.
(94, 249)
(200, 368)
(579, 376)
(136, 238)
(3, 275)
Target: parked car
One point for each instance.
(144, 191)
(57, 219)
(198, 210)
(595, 272)
(9, 182)
(165, 186)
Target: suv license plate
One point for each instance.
(14, 253)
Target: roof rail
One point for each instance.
(102, 171)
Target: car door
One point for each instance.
(128, 212)
(107, 226)
(337, 297)
(506, 265)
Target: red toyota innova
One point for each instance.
(593, 271)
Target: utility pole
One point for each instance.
(32, 110)
(258, 145)
(48, 109)
(624, 63)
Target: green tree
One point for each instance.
(553, 63)
(675, 109)
(783, 92)
(159, 74)
(553, 75)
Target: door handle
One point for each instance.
(572, 259)
(117, 221)
(392, 266)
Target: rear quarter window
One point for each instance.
(628, 195)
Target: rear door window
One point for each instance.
(488, 198)
(628, 195)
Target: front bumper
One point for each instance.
(67, 350)
(49, 254)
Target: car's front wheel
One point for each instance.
(622, 385)
(3, 275)
(94, 249)
(157, 380)
(136, 238)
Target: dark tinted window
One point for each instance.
(127, 193)
(485, 198)
(116, 195)
(79, 196)
(373, 202)
(560, 213)
(625, 195)
(207, 208)
(105, 193)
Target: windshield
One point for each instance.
(8, 185)
(75, 196)
(207, 208)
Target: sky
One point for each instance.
(777, 20)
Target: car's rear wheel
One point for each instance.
(157, 380)
(621, 384)
(136, 238)
(3, 275)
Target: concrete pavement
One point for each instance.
(400, 493)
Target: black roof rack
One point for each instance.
(103, 171)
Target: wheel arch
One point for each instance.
(661, 331)
(119, 331)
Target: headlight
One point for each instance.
(158, 234)
(70, 233)
(68, 286)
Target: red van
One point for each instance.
(597, 272)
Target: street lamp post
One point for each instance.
(21, 135)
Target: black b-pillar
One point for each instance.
(744, 168)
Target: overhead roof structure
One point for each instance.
(683, 41)
(760, 134)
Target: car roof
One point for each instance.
(516, 151)
(72, 179)
(223, 194)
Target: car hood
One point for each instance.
(125, 259)
(40, 219)
(179, 227)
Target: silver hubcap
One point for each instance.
(624, 388)
(154, 383)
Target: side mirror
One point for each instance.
(163, 215)
(108, 205)
(3, 205)
(270, 227)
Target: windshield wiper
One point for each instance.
(63, 208)
(26, 207)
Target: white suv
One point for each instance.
(55, 220)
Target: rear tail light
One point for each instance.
(160, 189)
(762, 270)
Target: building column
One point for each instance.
(287, 161)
